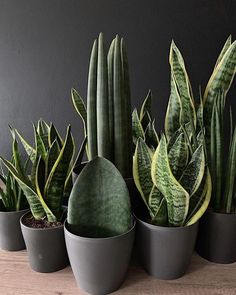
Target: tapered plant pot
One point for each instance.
(99, 264)
(216, 240)
(45, 247)
(165, 252)
(11, 238)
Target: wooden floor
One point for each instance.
(203, 277)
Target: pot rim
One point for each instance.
(212, 212)
(13, 212)
(169, 228)
(39, 229)
(69, 233)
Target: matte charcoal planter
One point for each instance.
(11, 238)
(45, 247)
(165, 252)
(99, 264)
(216, 240)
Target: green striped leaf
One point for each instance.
(137, 129)
(43, 131)
(146, 106)
(176, 196)
(224, 49)
(199, 202)
(31, 152)
(161, 217)
(32, 197)
(142, 170)
(178, 156)
(40, 168)
(54, 186)
(51, 158)
(193, 174)
(54, 135)
(220, 81)
(172, 118)
(80, 107)
(151, 136)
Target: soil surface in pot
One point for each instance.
(30, 221)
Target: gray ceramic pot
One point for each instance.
(11, 238)
(165, 252)
(99, 264)
(45, 247)
(216, 240)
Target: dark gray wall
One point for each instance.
(45, 47)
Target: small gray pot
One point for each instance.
(216, 240)
(45, 247)
(165, 252)
(99, 264)
(11, 238)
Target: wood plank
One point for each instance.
(203, 277)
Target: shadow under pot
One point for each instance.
(165, 252)
(46, 247)
(11, 238)
(135, 198)
(99, 264)
(216, 240)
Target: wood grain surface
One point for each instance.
(202, 277)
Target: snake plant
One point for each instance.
(174, 179)
(52, 164)
(214, 100)
(11, 195)
(107, 118)
(99, 204)
(143, 124)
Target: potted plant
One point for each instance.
(107, 117)
(217, 239)
(13, 205)
(42, 227)
(174, 183)
(99, 231)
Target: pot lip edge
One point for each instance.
(68, 232)
(13, 212)
(211, 212)
(39, 229)
(170, 228)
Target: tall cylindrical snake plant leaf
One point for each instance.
(193, 174)
(99, 204)
(199, 202)
(80, 107)
(178, 156)
(187, 111)
(142, 171)
(92, 103)
(137, 129)
(32, 197)
(127, 124)
(103, 142)
(110, 66)
(176, 196)
(120, 118)
(220, 80)
(54, 187)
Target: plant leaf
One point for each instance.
(146, 106)
(137, 129)
(31, 152)
(176, 196)
(80, 107)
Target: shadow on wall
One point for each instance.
(45, 48)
